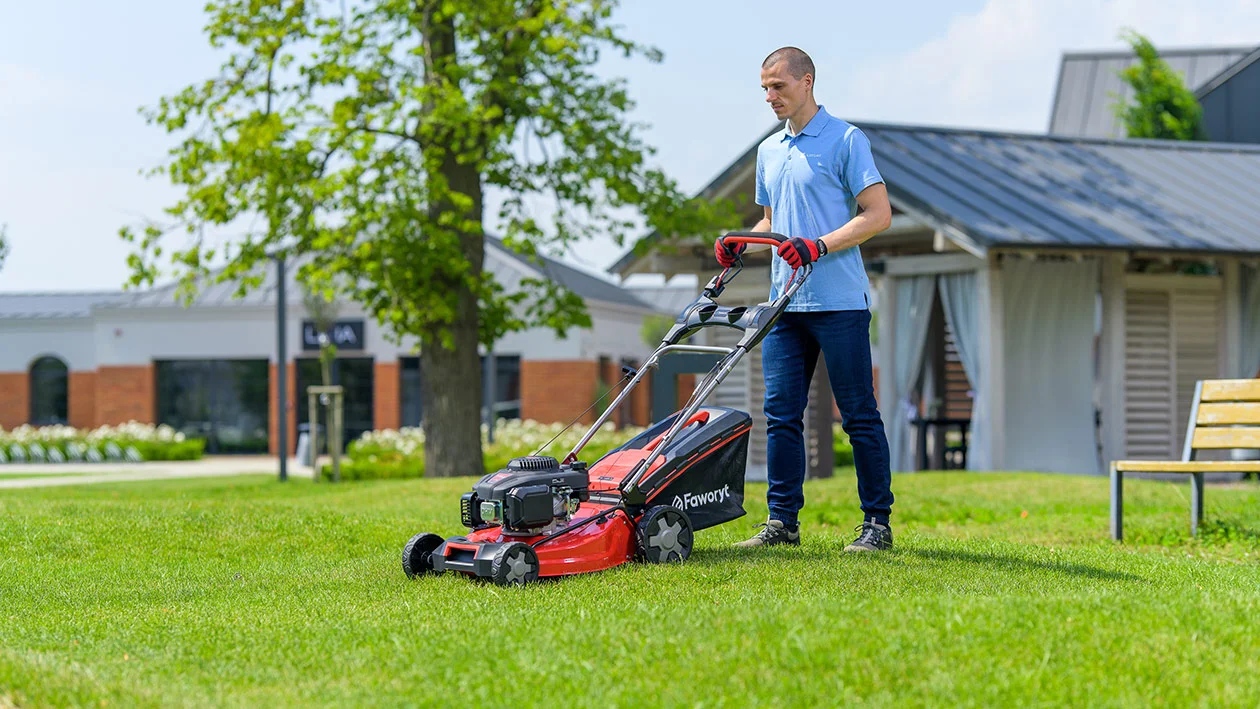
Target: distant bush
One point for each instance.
(130, 441)
(840, 446)
(399, 453)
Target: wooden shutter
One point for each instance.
(1196, 329)
(1171, 342)
(1148, 370)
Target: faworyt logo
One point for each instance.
(688, 500)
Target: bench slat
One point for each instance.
(1226, 437)
(1196, 466)
(1226, 414)
(1231, 390)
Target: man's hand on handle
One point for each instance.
(798, 252)
(726, 255)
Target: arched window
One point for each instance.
(49, 392)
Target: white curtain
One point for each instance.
(1250, 325)
(1048, 334)
(963, 313)
(913, 312)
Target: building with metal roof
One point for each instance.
(1080, 286)
(1231, 102)
(1089, 85)
(209, 368)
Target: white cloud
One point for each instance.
(997, 68)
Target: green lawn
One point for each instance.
(243, 592)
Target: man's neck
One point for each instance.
(802, 118)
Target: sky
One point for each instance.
(74, 73)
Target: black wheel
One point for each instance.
(416, 559)
(665, 535)
(515, 565)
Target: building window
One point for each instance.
(507, 385)
(409, 398)
(356, 376)
(49, 392)
(223, 401)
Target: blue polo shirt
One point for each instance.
(811, 181)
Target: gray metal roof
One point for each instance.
(667, 298)
(1007, 189)
(1031, 190)
(1089, 85)
(583, 284)
(219, 295)
(53, 305)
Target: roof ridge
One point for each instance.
(1227, 73)
(1178, 51)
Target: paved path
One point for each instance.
(55, 474)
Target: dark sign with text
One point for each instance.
(344, 334)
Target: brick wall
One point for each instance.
(15, 391)
(641, 402)
(82, 399)
(387, 410)
(273, 409)
(686, 387)
(125, 394)
(557, 390)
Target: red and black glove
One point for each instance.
(798, 252)
(726, 255)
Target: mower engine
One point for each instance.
(534, 495)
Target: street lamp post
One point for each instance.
(282, 379)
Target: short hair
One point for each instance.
(799, 63)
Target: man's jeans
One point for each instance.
(788, 355)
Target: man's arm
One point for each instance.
(764, 224)
(874, 215)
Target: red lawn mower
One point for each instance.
(644, 500)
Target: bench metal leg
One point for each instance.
(1117, 503)
(1196, 502)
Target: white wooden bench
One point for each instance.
(1226, 414)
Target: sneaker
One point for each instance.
(772, 532)
(871, 537)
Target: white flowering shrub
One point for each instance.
(400, 453)
(132, 439)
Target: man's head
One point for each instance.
(787, 76)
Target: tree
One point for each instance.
(365, 138)
(4, 243)
(1162, 106)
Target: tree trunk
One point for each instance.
(451, 381)
(451, 378)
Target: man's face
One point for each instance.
(785, 93)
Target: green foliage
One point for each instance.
(364, 141)
(1162, 107)
(400, 454)
(841, 448)
(654, 329)
(151, 442)
(361, 139)
(4, 243)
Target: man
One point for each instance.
(818, 184)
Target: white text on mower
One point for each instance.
(688, 500)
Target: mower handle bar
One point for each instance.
(735, 238)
